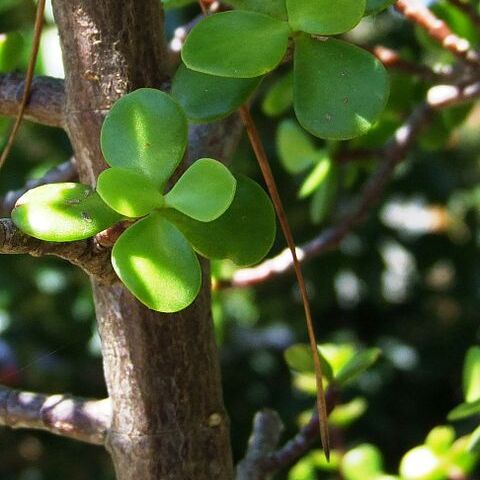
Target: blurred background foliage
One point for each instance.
(407, 282)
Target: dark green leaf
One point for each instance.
(280, 96)
(204, 191)
(361, 362)
(244, 233)
(274, 8)
(145, 131)
(323, 17)
(11, 45)
(206, 98)
(62, 212)
(340, 90)
(130, 193)
(157, 264)
(375, 6)
(236, 44)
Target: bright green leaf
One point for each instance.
(464, 410)
(361, 362)
(130, 193)
(295, 148)
(274, 8)
(244, 233)
(440, 439)
(280, 96)
(471, 375)
(340, 89)
(206, 98)
(157, 264)
(421, 463)
(323, 197)
(236, 44)
(474, 442)
(11, 45)
(345, 414)
(299, 358)
(145, 131)
(362, 463)
(324, 17)
(318, 175)
(204, 191)
(62, 212)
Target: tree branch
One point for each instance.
(84, 254)
(79, 419)
(438, 97)
(420, 14)
(46, 103)
(64, 172)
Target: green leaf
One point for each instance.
(295, 148)
(274, 8)
(340, 90)
(11, 45)
(204, 191)
(474, 442)
(362, 463)
(421, 463)
(244, 233)
(130, 193)
(361, 362)
(206, 98)
(323, 197)
(322, 17)
(299, 358)
(145, 131)
(280, 96)
(62, 212)
(236, 44)
(440, 439)
(471, 375)
(376, 6)
(157, 264)
(464, 410)
(345, 414)
(318, 176)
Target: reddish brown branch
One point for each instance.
(62, 173)
(76, 418)
(420, 14)
(46, 102)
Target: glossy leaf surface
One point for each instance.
(325, 17)
(236, 44)
(206, 98)
(145, 131)
(244, 233)
(204, 191)
(130, 193)
(157, 264)
(62, 212)
(340, 90)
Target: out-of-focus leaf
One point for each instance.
(360, 363)
(464, 410)
(471, 375)
(318, 175)
(299, 358)
(421, 463)
(440, 439)
(362, 463)
(345, 414)
(279, 97)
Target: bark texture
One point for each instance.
(161, 371)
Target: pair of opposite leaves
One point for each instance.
(339, 89)
(208, 210)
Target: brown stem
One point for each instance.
(262, 159)
(76, 418)
(28, 80)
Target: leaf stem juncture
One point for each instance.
(262, 159)
(28, 80)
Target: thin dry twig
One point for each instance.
(28, 80)
(76, 418)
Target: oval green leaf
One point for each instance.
(244, 233)
(130, 193)
(157, 264)
(62, 212)
(340, 90)
(145, 131)
(204, 191)
(324, 17)
(206, 98)
(236, 44)
(464, 410)
(295, 147)
(299, 358)
(360, 363)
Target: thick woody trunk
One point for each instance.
(161, 371)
